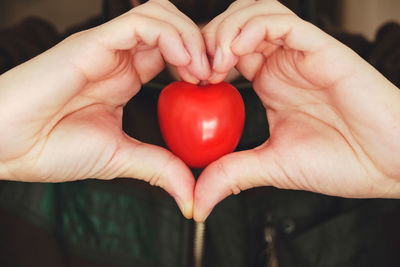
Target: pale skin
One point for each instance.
(61, 112)
(334, 120)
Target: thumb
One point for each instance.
(158, 167)
(231, 174)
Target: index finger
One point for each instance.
(188, 31)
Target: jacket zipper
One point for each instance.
(198, 245)
(270, 251)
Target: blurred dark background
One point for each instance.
(355, 16)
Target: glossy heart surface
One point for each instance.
(201, 123)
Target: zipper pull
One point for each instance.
(270, 250)
(270, 254)
(198, 246)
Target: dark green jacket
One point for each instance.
(129, 223)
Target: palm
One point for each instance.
(92, 135)
(333, 119)
(314, 145)
(88, 126)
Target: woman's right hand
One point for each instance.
(61, 112)
(334, 120)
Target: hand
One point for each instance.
(334, 120)
(61, 113)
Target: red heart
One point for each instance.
(201, 123)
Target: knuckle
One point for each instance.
(168, 4)
(154, 179)
(229, 180)
(169, 164)
(207, 32)
(152, 4)
(236, 4)
(148, 8)
(77, 35)
(231, 23)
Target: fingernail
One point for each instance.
(204, 61)
(180, 205)
(205, 67)
(201, 218)
(187, 210)
(216, 77)
(188, 56)
(186, 76)
(235, 41)
(217, 58)
(191, 79)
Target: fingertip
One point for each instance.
(199, 68)
(230, 174)
(216, 77)
(186, 75)
(212, 187)
(200, 211)
(200, 218)
(206, 66)
(186, 207)
(218, 59)
(237, 46)
(224, 60)
(173, 49)
(182, 188)
(187, 211)
(159, 167)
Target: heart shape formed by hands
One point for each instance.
(201, 123)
